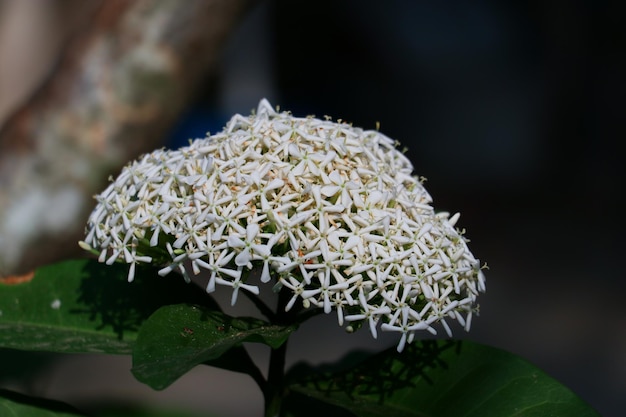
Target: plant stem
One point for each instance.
(275, 386)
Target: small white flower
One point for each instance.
(330, 212)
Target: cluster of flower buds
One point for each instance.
(327, 211)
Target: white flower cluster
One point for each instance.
(328, 211)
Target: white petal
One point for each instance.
(235, 242)
(330, 190)
(243, 258)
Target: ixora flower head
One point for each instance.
(330, 212)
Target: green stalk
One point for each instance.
(275, 387)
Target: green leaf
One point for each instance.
(85, 306)
(23, 366)
(176, 338)
(444, 379)
(13, 404)
(20, 405)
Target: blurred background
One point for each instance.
(513, 112)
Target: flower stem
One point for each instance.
(275, 387)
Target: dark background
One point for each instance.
(513, 111)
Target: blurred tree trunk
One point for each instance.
(117, 89)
